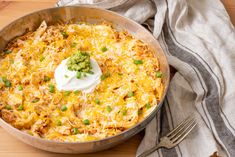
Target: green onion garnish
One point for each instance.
(130, 94)
(97, 101)
(108, 108)
(20, 88)
(63, 108)
(104, 49)
(86, 122)
(75, 131)
(137, 62)
(158, 74)
(20, 107)
(51, 88)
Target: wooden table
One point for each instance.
(11, 147)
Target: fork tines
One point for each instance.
(182, 130)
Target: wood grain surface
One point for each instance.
(11, 147)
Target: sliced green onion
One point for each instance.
(86, 122)
(11, 61)
(139, 112)
(97, 101)
(137, 62)
(63, 108)
(124, 112)
(67, 93)
(35, 100)
(65, 35)
(90, 72)
(158, 74)
(73, 44)
(6, 82)
(8, 107)
(108, 108)
(105, 75)
(79, 75)
(42, 58)
(58, 123)
(51, 88)
(76, 92)
(20, 88)
(104, 49)
(7, 51)
(47, 78)
(66, 76)
(75, 131)
(20, 107)
(130, 94)
(148, 106)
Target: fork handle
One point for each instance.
(150, 150)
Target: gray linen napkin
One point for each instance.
(199, 40)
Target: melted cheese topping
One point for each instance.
(127, 93)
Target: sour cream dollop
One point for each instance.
(66, 79)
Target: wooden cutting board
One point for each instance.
(11, 147)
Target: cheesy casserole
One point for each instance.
(131, 84)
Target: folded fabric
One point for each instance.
(199, 41)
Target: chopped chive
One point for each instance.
(67, 93)
(6, 82)
(108, 108)
(97, 101)
(73, 44)
(79, 75)
(8, 107)
(158, 74)
(35, 100)
(7, 51)
(76, 92)
(104, 49)
(130, 94)
(20, 107)
(20, 88)
(102, 77)
(42, 58)
(75, 131)
(148, 106)
(43, 49)
(58, 123)
(66, 76)
(124, 112)
(63, 108)
(4, 79)
(137, 62)
(86, 122)
(90, 72)
(139, 112)
(51, 88)
(105, 75)
(65, 35)
(47, 78)
(11, 61)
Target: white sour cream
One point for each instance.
(66, 80)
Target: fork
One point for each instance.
(174, 137)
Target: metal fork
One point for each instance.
(174, 137)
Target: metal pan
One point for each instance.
(93, 15)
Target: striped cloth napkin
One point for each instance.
(199, 41)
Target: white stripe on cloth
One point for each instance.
(199, 41)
